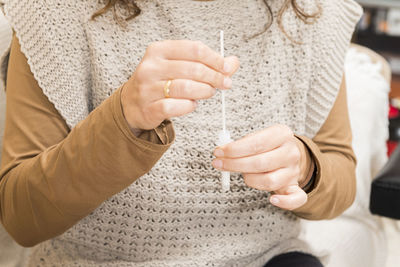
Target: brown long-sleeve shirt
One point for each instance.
(52, 177)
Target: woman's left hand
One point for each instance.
(272, 160)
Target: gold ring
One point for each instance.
(166, 89)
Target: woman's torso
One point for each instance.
(177, 214)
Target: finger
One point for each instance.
(192, 51)
(260, 163)
(292, 197)
(256, 143)
(170, 107)
(233, 61)
(270, 181)
(187, 89)
(173, 69)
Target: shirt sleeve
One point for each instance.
(51, 176)
(334, 187)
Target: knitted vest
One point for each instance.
(176, 215)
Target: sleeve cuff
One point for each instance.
(314, 185)
(308, 184)
(158, 139)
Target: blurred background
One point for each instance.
(379, 29)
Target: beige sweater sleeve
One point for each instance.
(52, 177)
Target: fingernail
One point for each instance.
(219, 153)
(227, 67)
(227, 82)
(217, 164)
(274, 200)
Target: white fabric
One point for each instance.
(5, 41)
(11, 255)
(392, 230)
(176, 214)
(357, 239)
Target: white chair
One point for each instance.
(356, 238)
(11, 254)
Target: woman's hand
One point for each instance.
(271, 160)
(195, 71)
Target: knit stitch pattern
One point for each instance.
(176, 215)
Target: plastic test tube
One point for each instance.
(224, 136)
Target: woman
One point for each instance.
(109, 188)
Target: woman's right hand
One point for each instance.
(195, 70)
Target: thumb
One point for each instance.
(289, 198)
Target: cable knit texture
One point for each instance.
(176, 215)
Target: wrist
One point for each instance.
(136, 132)
(305, 183)
(309, 182)
(125, 112)
(307, 164)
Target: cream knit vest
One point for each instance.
(176, 215)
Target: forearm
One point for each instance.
(44, 195)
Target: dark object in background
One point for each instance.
(297, 259)
(385, 189)
(394, 129)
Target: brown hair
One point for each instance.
(131, 10)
